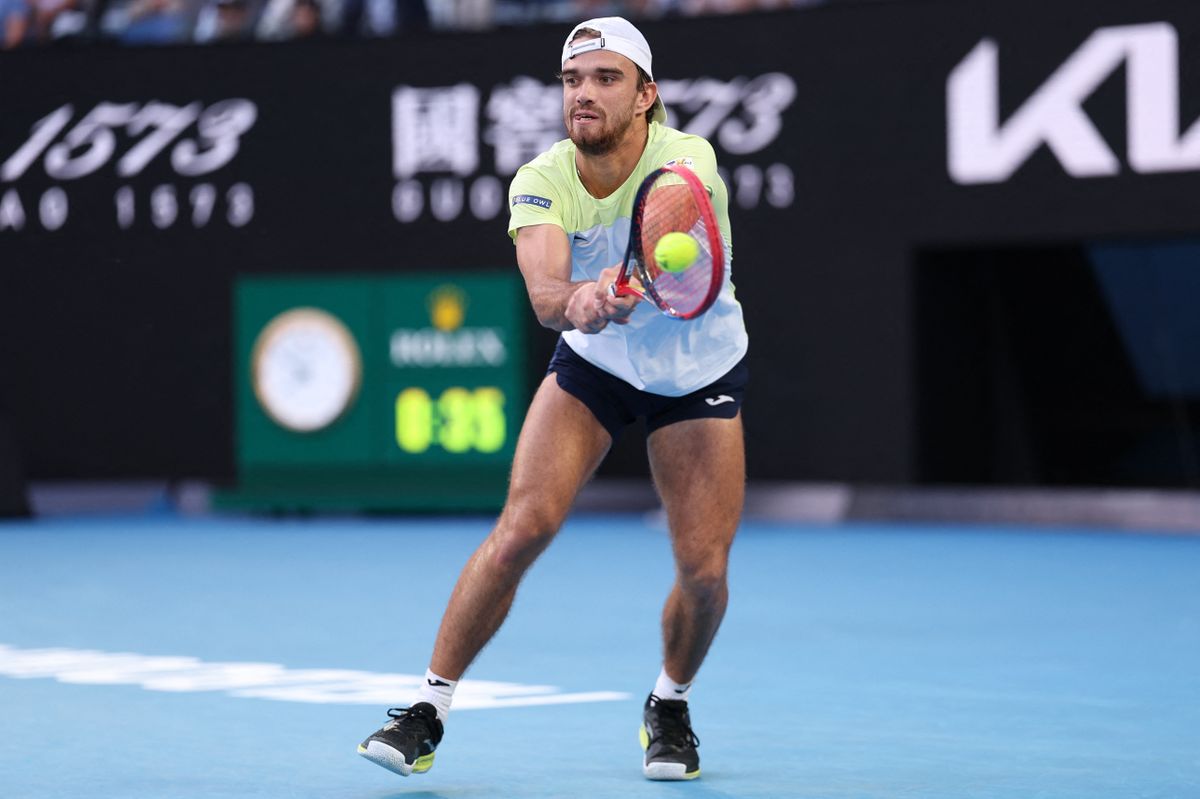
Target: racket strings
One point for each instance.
(671, 207)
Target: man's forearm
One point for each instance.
(550, 299)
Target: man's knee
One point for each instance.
(703, 577)
(524, 531)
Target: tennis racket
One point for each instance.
(673, 200)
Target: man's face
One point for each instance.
(600, 98)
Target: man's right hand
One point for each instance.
(592, 306)
(585, 309)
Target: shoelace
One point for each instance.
(399, 714)
(673, 728)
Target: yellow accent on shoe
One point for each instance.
(425, 762)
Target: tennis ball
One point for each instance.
(675, 252)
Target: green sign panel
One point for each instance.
(378, 393)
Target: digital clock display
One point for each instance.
(459, 420)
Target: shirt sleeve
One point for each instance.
(533, 200)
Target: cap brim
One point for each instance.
(658, 112)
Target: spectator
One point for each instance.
(147, 22)
(294, 19)
(225, 21)
(465, 14)
(383, 17)
(306, 19)
(15, 16)
(54, 19)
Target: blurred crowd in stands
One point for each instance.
(31, 23)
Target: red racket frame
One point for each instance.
(635, 258)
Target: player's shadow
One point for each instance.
(697, 789)
(693, 790)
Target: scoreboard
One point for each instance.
(400, 392)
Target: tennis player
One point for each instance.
(617, 360)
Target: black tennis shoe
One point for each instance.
(405, 744)
(668, 741)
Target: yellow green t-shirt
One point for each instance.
(653, 352)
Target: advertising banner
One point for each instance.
(137, 185)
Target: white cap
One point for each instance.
(620, 36)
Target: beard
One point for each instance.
(604, 140)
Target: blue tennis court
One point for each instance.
(167, 656)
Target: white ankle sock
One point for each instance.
(666, 688)
(437, 691)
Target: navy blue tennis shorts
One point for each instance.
(616, 404)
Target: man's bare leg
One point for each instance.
(699, 470)
(560, 446)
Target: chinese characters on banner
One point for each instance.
(440, 135)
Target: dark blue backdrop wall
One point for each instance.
(920, 190)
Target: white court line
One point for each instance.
(268, 680)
